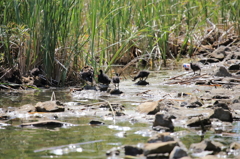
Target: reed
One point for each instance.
(64, 36)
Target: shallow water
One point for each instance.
(84, 140)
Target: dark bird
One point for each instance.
(143, 75)
(116, 80)
(195, 67)
(36, 71)
(103, 78)
(87, 74)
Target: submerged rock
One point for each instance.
(46, 123)
(115, 91)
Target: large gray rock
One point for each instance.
(222, 72)
(177, 153)
(50, 106)
(222, 114)
(164, 120)
(160, 147)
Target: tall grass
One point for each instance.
(66, 35)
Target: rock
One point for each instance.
(177, 153)
(103, 87)
(93, 122)
(115, 91)
(219, 53)
(162, 137)
(194, 104)
(208, 60)
(235, 146)
(26, 108)
(142, 82)
(222, 72)
(47, 123)
(234, 67)
(207, 145)
(222, 114)
(221, 105)
(149, 107)
(133, 150)
(164, 120)
(198, 121)
(50, 106)
(160, 147)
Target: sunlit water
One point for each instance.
(83, 140)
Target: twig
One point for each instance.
(110, 105)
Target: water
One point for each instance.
(83, 140)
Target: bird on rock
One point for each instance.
(103, 78)
(116, 81)
(87, 74)
(143, 75)
(195, 68)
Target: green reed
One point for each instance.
(66, 35)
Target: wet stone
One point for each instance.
(93, 122)
(207, 145)
(222, 72)
(115, 92)
(198, 121)
(142, 82)
(164, 120)
(222, 114)
(50, 106)
(160, 147)
(46, 123)
(177, 152)
(133, 150)
(161, 137)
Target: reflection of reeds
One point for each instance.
(66, 35)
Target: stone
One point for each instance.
(46, 123)
(177, 153)
(235, 146)
(26, 108)
(198, 121)
(115, 92)
(160, 147)
(164, 120)
(219, 53)
(142, 82)
(222, 72)
(50, 106)
(222, 114)
(234, 67)
(149, 107)
(207, 145)
(161, 137)
(133, 150)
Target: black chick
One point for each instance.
(103, 78)
(195, 67)
(143, 75)
(87, 74)
(116, 80)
